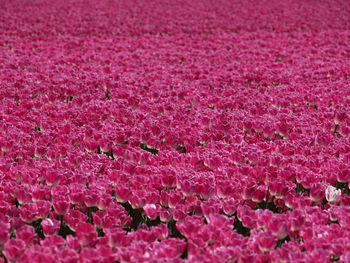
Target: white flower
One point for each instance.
(332, 194)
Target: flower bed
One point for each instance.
(171, 131)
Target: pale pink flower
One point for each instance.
(332, 194)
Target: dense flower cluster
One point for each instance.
(173, 131)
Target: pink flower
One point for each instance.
(27, 234)
(224, 190)
(151, 210)
(266, 242)
(174, 247)
(73, 218)
(277, 228)
(14, 249)
(179, 213)
(220, 221)
(104, 201)
(4, 234)
(168, 178)
(343, 176)
(105, 144)
(164, 199)
(248, 221)
(41, 193)
(317, 193)
(24, 196)
(230, 206)
(259, 195)
(165, 215)
(190, 226)
(50, 226)
(38, 253)
(52, 177)
(278, 188)
(122, 193)
(249, 191)
(28, 213)
(161, 231)
(117, 237)
(207, 189)
(99, 218)
(91, 198)
(138, 199)
(73, 243)
(53, 241)
(43, 208)
(263, 218)
(297, 222)
(67, 255)
(90, 145)
(210, 207)
(86, 234)
(88, 255)
(175, 198)
(76, 195)
(60, 204)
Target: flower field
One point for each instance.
(174, 131)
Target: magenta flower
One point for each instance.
(317, 193)
(73, 243)
(104, 201)
(179, 213)
(278, 228)
(278, 188)
(175, 198)
(297, 222)
(165, 215)
(138, 199)
(91, 198)
(73, 218)
(61, 205)
(67, 255)
(248, 191)
(24, 197)
(151, 210)
(99, 218)
(259, 195)
(41, 193)
(38, 253)
(52, 177)
(4, 234)
(43, 208)
(50, 226)
(174, 247)
(122, 193)
(90, 145)
(266, 242)
(117, 237)
(28, 213)
(53, 241)
(190, 226)
(86, 234)
(161, 231)
(230, 206)
(168, 179)
(14, 249)
(344, 175)
(27, 234)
